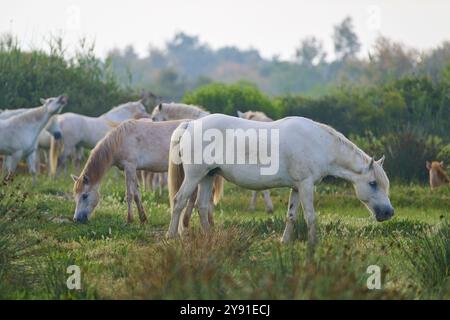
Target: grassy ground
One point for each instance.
(241, 259)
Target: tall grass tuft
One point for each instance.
(428, 261)
(196, 267)
(13, 208)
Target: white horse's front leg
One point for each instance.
(31, 163)
(306, 191)
(291, 216)
(12, 161)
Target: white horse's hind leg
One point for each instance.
(251, 206)
(179, 202)
(203, 201)
(294, 203)
(188, 211)
(268, 201)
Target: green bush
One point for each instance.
(27, 76)
(228, 99)
(444, 155)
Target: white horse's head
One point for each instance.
(55, 104)
(158, 114)
(87, 197)
(372, 188)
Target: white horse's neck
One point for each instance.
(119, 113)
(348, 161)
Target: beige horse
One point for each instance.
(258, 116)
(438, 176)
(72, 131)
(133, 145)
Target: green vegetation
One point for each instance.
(27, 76)
(241, 258)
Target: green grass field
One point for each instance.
(241, 259)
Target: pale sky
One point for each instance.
(274, 27)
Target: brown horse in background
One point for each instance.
(437, 173)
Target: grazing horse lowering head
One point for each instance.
(372, 188)
(87, 197)
(54, 105)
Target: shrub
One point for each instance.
(28, 76)
(228, 99)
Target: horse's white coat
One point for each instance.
(79, 131)
(20, 132)
(308, 151)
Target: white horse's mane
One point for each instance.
(187, 110)
(124, 105)
(380, 174)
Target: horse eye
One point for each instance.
(373, 184)
(84, 196)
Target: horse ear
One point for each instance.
(381, 160)
(42, 100)
(428, 164)
(240, 114)
(74, 177)
(371, 163)
(441, 163)
(160, 107)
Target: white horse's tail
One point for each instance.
(175, 175)
(218, 189)
(56, 148)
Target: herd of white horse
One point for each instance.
(129, 138)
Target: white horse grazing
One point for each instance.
(258, 116)
(305, 151)
(72, 131)
(20, 133)
(133, 145)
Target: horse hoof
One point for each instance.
(170, 235)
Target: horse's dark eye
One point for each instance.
(84, 196)
(373, 184)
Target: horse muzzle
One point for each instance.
(383, 213)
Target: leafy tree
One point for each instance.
(310, 52)
(346, 43)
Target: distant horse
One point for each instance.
(133, 145)
(177, 111)
(258, 116)
(43, 140)
(438, 176)
(20, 133)
(307, 151)
(73, 131)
